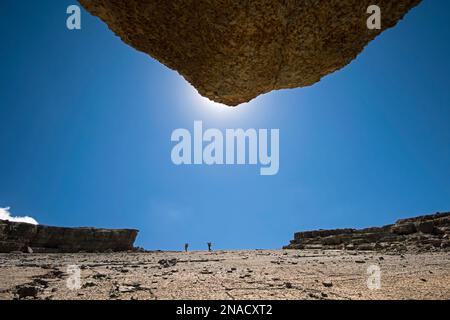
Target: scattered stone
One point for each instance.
(206, 272)
(27, 291)
(167, 263)
(125, 289)
(88, 285)
(113, 295)
(56, 274)
(296, 281)
(40, 282)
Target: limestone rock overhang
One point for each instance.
(233, 51)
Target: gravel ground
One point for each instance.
(258, 274)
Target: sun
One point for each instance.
(213, 107)
(212, 104)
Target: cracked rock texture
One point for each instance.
(422, 234)
(232, 51)
(226, 275)
(26, 237)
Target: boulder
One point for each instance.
(406, 228)
(425, 227)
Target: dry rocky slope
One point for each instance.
(232, 51)
(26, 237)
(421, 270)
(258, 274)
(425, 233)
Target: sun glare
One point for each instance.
(212, 107)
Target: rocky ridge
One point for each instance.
(26, 237)
(424, 233)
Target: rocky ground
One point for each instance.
(259, 274)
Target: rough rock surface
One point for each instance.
(232, 51)
(424, 233)
(26, 237)
(258, 274)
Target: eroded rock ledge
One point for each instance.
(232, 51)
(45, 239)
(424, 233)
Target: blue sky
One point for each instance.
(86, 124)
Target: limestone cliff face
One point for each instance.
(21, 236)
(431, 232)
(231, 51)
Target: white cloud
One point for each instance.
(6, 215)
